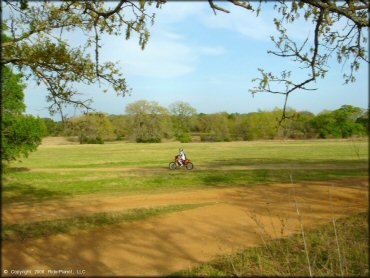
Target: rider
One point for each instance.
(182, 156)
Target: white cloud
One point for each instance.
(215, 51)
(249, 25)
(177, 11)
(160, 59)
(163, 58)
(168, 35)
(168, 54)
(242, 21)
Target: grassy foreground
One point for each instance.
(131, 168)
(346, 254)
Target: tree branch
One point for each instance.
(215, 7)
(107, 13)
(242, 4)
(348, 12)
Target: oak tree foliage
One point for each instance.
(148, 121)
(91, 128)
(20, 133)
(36, 44)
(182, 113)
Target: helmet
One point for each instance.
(180, 149)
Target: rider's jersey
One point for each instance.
(182, 155)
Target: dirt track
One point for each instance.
(171, 242)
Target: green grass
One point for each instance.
(17, 232)
(203, 154)
(150, 162)
(26, 187)
(286, 256)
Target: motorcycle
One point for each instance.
(176, 164)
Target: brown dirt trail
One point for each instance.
(168, 243)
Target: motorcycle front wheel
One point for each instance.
(172, 165)
(189, 166)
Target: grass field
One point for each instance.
(57, 171)
(116, 208)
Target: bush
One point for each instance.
(148, 140)
(214, 137)
(184, 138)
(88, 140)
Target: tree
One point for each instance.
(91, 128)
(214, 127)
(340, 123)
(182, 113)
(347, 44)
(345, 119)
(301, 125)
(364, 121)
(36, 45)
(21, 134)
(325, 125)
(240, 126)
(120, 124)
(261, 125)
(53, 128)
(149, 121)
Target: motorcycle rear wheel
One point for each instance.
(189, 166)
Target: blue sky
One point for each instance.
(208, 61)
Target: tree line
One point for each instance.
(149, 122)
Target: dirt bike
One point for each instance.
(176, 164)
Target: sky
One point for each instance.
(208, 61)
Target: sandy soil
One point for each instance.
(175, 241)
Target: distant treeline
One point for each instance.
(146, 121)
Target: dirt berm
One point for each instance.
(239, 217)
